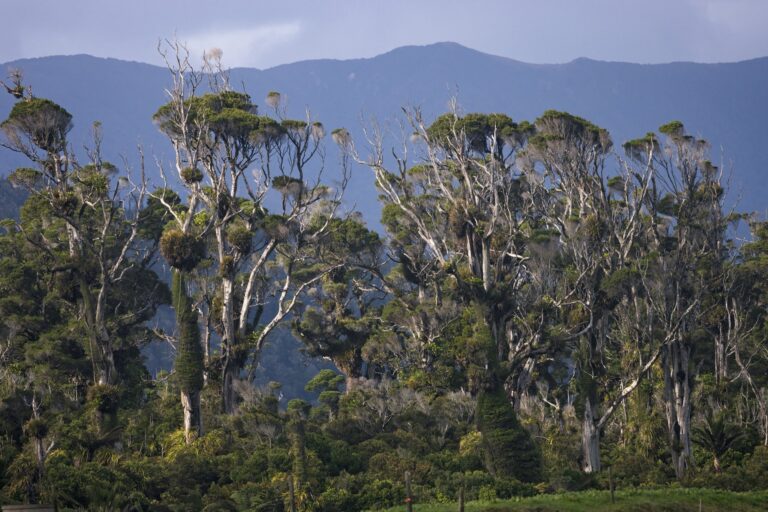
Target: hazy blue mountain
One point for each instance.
(725, 103)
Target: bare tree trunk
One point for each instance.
(520, 383)
(228, 310)
(590, 440)
(486, 245)
(205, 320)
(291, 494)
(228, 395)
(590, 373)
(350, 382)
(40, 457)
(761, 401)
(33, 491)
(102, 354)
(231, 365)
(193, 419)
(107, 371)
(721, 362)
(677, 397)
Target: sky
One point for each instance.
(261, 34)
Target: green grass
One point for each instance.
(667, 500)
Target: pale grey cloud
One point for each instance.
(737, 16)
(266, 33)
(243, 47)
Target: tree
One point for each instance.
(340, 314)
(84, 286)
(43, 365)
(717, 436)
(189, 358)
(589, 229)
(328, 383)
(744, 325)
(469, 210)
(216, 138)
(688, 237)
(602, 247)
(101, 237)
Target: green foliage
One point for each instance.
(333, 499)
(478, 131)
(25, 177)
(45, 123)
(191, 175)
(36, 428)
(342, 137)
(656, 500)
(508, 449)
(554, 126)
(288, 185)
(717, 435)
(298, 408)
(295, 126)
(325, 380)
(189, 352)
(381, 493)
(155, 215)
(673, 129)
(104, 398)
(640, 149)
(182, 251)
(11, 200)
(240, 237)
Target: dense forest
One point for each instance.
(542, 305)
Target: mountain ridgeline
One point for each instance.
(725, 103)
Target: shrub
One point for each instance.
(334, 499)
(381, 494)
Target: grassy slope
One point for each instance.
(681, 500)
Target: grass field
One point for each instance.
(666, 500)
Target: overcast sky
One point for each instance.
(262, 34)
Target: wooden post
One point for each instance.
(461, 495)
(291, 493)
(610, 483)
(408, 497)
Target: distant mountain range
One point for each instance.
(725, 103)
